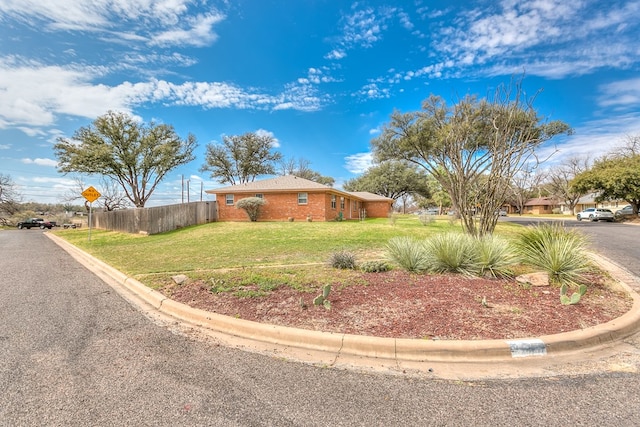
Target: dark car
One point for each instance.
(34, 223)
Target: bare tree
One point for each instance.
(525, 185)
(9, 197)
(561, 176)
(111, 194)
(630, 147)
(300, 168)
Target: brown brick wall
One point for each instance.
(282, 206)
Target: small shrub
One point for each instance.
(343, 260)
(393, 218)
(407, 253)
(556, 250)
(374, 266)
(427, 219)
(252, 206)
(452, 253)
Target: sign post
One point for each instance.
(91, 194)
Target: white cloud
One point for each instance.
(35, 95)
(336, 54)
(625, 93)
(359, 163)
(40, 162)
(266, 133)
(165, 22)
(199, 32)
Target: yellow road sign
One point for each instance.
(91, 194)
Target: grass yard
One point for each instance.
(244, 244)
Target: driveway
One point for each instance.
(73, 352)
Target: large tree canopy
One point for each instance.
(614, 178)
(137, 156)
(392, 179)
(473, 148)
(241, 158)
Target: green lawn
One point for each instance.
(244, 244)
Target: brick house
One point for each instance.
(290, 197)
(541, 205)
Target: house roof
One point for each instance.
(279, 183)
(292, 183)
(369, 197)
(542, 201)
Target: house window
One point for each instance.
(333, 201)
(302, 198)
(229, 199)
(260, 196)
(341, 203)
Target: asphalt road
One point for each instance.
(73, 352)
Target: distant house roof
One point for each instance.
(542, 201)
(292, 183)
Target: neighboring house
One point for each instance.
(589, 201)
(293, 198)
(541, 205)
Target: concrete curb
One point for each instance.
(325, 347)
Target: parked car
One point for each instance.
(595, 214)
(34, 223)
(502, 212)
(432, 211)
(626, 211)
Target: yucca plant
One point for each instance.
(452, 253)
(556, 250)
(495, 257)
(343, 260)
(408, 253)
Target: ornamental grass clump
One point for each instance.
(452, 253)
(558, 251)
(407, 253)
(495, 257)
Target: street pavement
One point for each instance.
(74, 352)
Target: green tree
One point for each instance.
(241, 158)
(614, 178)
(136, 155)
(392, 179)
(473, 148)
(251, 206)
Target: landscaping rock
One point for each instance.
(179, 279)
(534, 279)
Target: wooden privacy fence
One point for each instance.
(157, 219)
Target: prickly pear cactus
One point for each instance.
(322, 298)
(574, 298)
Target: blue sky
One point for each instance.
(321, 76)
